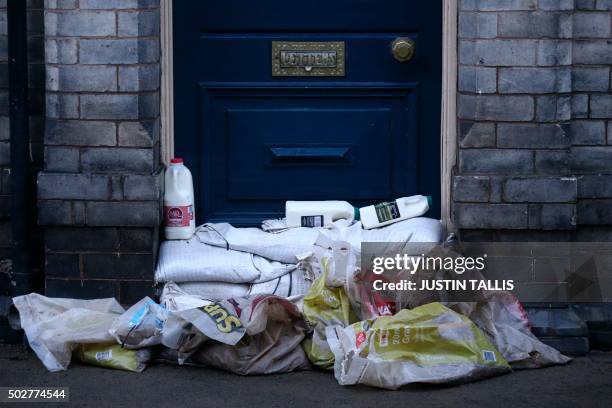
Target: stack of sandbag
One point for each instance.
(221, 261)
(202, 268)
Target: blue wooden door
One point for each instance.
(254, 138)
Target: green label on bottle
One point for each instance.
(387, 211)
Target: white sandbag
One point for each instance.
(293, 284)
(502, 318)
(216, 290)
(174, 299)
(196, 261)
(419, 229)
(283, 247)
(56, 326)
(287, 246)
(140, 326)
(414, 230)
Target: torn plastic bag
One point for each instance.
(501, 316)
(141, 325)
(343, 270)
(196, 261)
(112, 355)
(498, 314)
(324, 306)
(217, 320)
(339, 260)
(55, 326)
(179, 334)
(428, 344)
(271, 344)
(193, 320)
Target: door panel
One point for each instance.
(243, 57)
(254, 140)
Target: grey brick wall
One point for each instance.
(535, 110)
(99, 194)
(13, 284)
(535, 135)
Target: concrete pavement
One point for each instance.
(587, 381)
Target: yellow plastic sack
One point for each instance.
(323, 307)
(112, 355)
(428, 344)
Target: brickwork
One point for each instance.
(535, 135)
(99, 194)
(534, 103)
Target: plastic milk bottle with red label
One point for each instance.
(179, 216)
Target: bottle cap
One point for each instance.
(357, 213)
(176, 160)
(429, 201)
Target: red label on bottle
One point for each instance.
(178, 215)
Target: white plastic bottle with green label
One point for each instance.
(379, 215)
(318, 213)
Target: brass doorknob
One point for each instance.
(403, 49)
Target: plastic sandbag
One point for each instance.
(141, 325)
(416, 230)
(419, 232)
(55, 326)
(344, 270)
(284, 247)
(274, 330)
(324, 306)
(181, 336)
(174, 299)
(428, 344)
(342, 246)
(217, 320)
(112, 355)
(341, 262)
(502, 318)
(290, 285)
(196, 261)
(499, 314)
(193, 320)
(178, 333)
